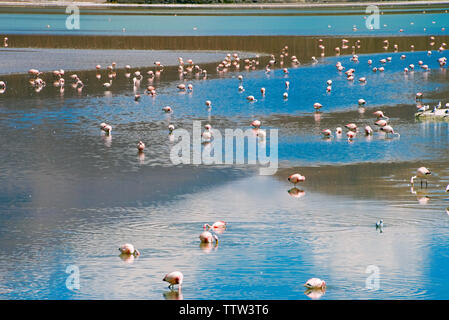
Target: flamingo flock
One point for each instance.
(209, 234)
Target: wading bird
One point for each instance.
(421, 173)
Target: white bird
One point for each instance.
(379, 224)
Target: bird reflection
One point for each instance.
(107, 138)
(421, 196)
(141, 157)
(128, 258)
(173, 295)
(296, 193)
(207, 247)
(315, 293)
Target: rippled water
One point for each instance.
(71, 196)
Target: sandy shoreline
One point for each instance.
(20, 60)
(98, 4)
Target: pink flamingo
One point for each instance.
(421, 173)
(207, 237)
(256, 124)
(315, 283)
(317, 105)
(389, 130)
(128, 249)
(215, 225)
(141, 146)
(351, 126)
(173, 278)
(296, 178)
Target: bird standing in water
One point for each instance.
(421, 173)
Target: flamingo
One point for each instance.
(285, 95)
(368, 131)
(317, 105)
(256, 124)
(338, 130)
(141, 146)
(296, 178)
(207, 237)
(379, 114)
(167, 109)
(175, 277)
(362, 102)
(106, 128)
(351, 135)
(351, 126)
(315, 283)
(381, 123)
(422, 173)
(327, 133)
(171, 128)
(262, 90)
(107, 85)
(215, 225)
(250, 98)
(128, 249)
(389, 129)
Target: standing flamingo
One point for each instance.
(422, 173)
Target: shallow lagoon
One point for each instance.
(70, 195)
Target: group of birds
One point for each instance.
(177, 277)
(229, 62)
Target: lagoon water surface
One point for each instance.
(70, 196)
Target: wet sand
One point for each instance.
(20, 60)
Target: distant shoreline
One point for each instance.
(220, 6)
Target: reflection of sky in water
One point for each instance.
(273, 244)
(225, 25)
(70, 196)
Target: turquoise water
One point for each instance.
(202, 25)
(71, 196)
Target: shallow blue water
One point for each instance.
(202, 25)
(71, 196)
